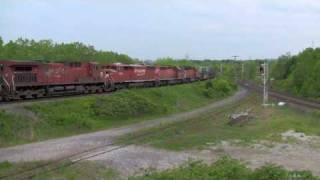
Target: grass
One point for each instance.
(97, 112)
(224, 168)
(81, 171)
(212, 128)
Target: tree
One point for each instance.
(47, 50)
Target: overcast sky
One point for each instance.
(149, 29)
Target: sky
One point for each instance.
(150, 29)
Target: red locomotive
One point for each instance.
(21, 79)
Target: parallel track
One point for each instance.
(284, 96)
(68, 96)
(97, 151)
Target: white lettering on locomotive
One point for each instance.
(140, 72)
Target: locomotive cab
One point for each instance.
(24, 74)
(1, 78)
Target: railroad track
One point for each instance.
(48, 99)
(284, 96)
(99, 150)
(113, 146)
(70, 96)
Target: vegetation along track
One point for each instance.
(283, 96)
(67, 96)
(106, 148)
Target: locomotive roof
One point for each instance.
(128, 65)
(17, 62)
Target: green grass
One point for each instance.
(80, 171)
(268, 123)
(97, 112)
(226, 169)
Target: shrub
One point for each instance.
(124, 105)
(218, 88)
(270, 172)
(5, 130)
(226, 169)
(222, 85)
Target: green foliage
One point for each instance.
(125, 105)
(13, 129)
(78, 115)
(270, 172)
(299, 74)
(219, 87)
(78, 171)
(226, 169)
(5, 165)
(47, 50)
(268, 124)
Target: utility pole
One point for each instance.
(242, 70)
(265, 83)
(236, 68)
(235, 57)
(221, 69)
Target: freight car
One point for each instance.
(27, 79)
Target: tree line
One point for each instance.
(296, 74)
(299, 74)
(47, 50)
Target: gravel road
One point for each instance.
(58, 148)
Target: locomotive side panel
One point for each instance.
(168, 73)
(191, 74)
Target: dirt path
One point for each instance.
(57, 148)
(134, 160)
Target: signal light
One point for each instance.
(261, 69)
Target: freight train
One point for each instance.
(28, 79)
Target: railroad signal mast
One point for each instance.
(264, 71)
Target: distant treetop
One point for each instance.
(47, 50)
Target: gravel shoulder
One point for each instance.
(58, 148)
(135, 160)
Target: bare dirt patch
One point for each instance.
(136, 160)
(62, 147)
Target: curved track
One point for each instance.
(283, 96)
(79, 148)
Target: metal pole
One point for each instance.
(265, 83)
(221, 69)
(242, 70)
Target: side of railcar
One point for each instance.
(21, 79)
(124, 75)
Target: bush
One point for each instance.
(5, 130)
(218, 88)
(226, 169)
(270, 172)
(124, 105)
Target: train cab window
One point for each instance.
(74, 64)
(113, 67)
(1, 67)
(23, 68)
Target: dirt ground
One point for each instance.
(301, 155)
(134, 160)
(59, 148)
